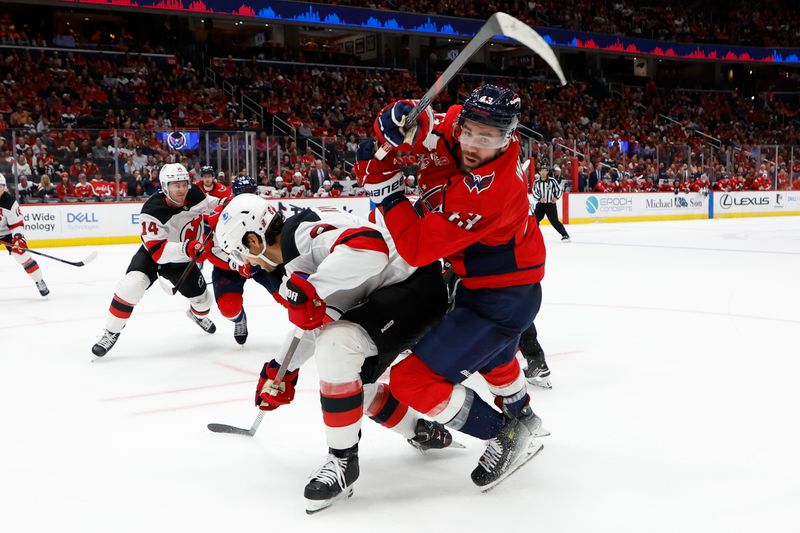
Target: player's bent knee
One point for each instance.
(341, 348)
(415, 384)
(132, 286)
(230, 305)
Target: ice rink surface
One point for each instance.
(675, 351)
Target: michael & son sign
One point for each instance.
(588, 207)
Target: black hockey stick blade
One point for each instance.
(85, 262)
(225, 428)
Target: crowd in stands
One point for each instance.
(85, 118)
(766, 23)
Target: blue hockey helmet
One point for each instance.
(493, 106)
(244, 184)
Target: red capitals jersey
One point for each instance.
(84, 190)
(218, 190)
(478, 221)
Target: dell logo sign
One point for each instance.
(81, 218)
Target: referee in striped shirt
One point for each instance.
(546, 191)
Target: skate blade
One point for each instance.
(315, 506)
(533, 450)
(541, 432)
(542, 383)
(454, 445)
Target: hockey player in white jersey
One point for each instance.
(12, 235)
(361, 305)
(172, 236)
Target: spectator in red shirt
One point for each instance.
(101, 187)
(64, 188)
(84, 189)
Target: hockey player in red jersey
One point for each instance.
(228, 277)
(361, 305)
(210, 185)
(172, 236)
(475, 213)
(12, 235)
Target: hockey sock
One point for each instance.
(29, 264)
(130, 290)
(476, 417)
(382, 407)
(201, 305)
(507, 383)
(342, 408)
(230, 306)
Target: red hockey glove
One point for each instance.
(269, 395)
(196, 250)
(245, 270)
(306, 308)
(18, 244)
(390, 125)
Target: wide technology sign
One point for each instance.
(109, 223)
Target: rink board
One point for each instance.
(94, 223)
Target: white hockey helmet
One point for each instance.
(172, 172)
(244, 214)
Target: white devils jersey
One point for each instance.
(345, 257)
(165, 228)
(10, 215)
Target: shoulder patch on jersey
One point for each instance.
(7, 201)
(195, 196)
(289, 233)
(477, 183)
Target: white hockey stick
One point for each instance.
(225, 428)
(498, 24)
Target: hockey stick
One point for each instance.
(89, 258)
(225, 428)
(498, 24)
(185, 274)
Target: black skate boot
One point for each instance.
(106, 342)
(42, 286)
(511, 448)
(205, 322)
(432, 436)
(333, 481)
(240, 329)
(537, 373)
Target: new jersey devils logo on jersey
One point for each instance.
(477, 183)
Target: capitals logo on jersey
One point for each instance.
(477, 183)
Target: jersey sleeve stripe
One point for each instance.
(16, 224)
(362, 239)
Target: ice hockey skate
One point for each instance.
(106, 342)
(333, 481)
(509, 450)
(537, 373)
(42, 286)
(240, 330)
(432, 436)
(205, 322)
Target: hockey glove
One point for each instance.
(390, 124)
(271, 395)
(306, 308)
(197, 251)
(246, 270)
(382, 179)
(18, 244)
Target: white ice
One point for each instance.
(674, 351)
